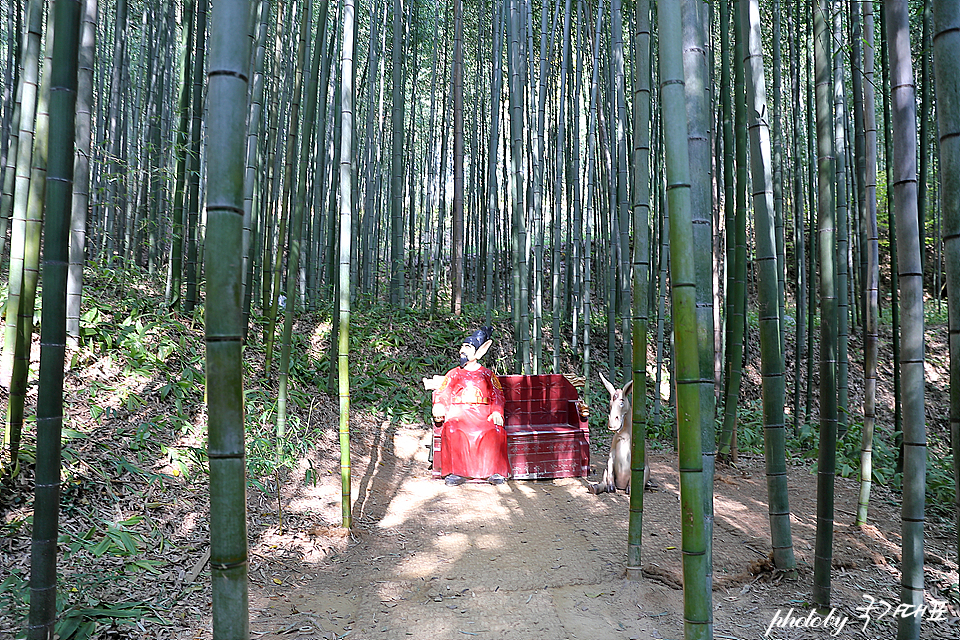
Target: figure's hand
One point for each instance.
(496, 418)
(432, 384)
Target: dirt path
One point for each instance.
(544, 560)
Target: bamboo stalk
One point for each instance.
(909, 267)
(59, 186)
(641, 280)
(683, 277)
(826, 203)
(946, 52)
(771, 355)
(228, 88)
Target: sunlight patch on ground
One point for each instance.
(407, 446)
(728, 507)
(320, 337)
(187, 525)
(453, 544)
(750, 519)
(420, 566)
(664, 381)
(427, 492)
(408, 503)
(527, 490)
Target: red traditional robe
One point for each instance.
(471, 445)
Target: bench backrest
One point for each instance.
(535, 400)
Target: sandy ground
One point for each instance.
(545, 560)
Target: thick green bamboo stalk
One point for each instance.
(904, 116)
(826, 203)
(664, 257)
(228, 86)
(771, 356)
(537, 212)
(859, 168)
(862, 278)
(347, 98)
(872, 276)
(576, 267)
(517, 199)
(333, 228)
(696, 51)
(59, 178)
(641, 279)
(776, 135)
(811, 175)
(457, 226)
(683, 275)
(11, 128)
(609, 219)
(946, 55)
(923, 201)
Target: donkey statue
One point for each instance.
(617, 474)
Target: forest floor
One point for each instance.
(538, 560)
(545, 560)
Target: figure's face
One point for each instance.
(467, 354)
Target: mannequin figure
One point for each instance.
(469, 401)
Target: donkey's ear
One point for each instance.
(607, 384)
(628, 388)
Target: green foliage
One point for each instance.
(884, 454)
(750, 427)
(941, 489)
(83, 623)
(940, 485)
(81, 616)
(393, 349)
(934, 313)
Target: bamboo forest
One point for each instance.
(703, 254)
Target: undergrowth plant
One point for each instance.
(940, 486)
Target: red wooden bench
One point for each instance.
(546, 435)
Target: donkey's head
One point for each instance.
(620, 413)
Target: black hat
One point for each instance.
(478, 337)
